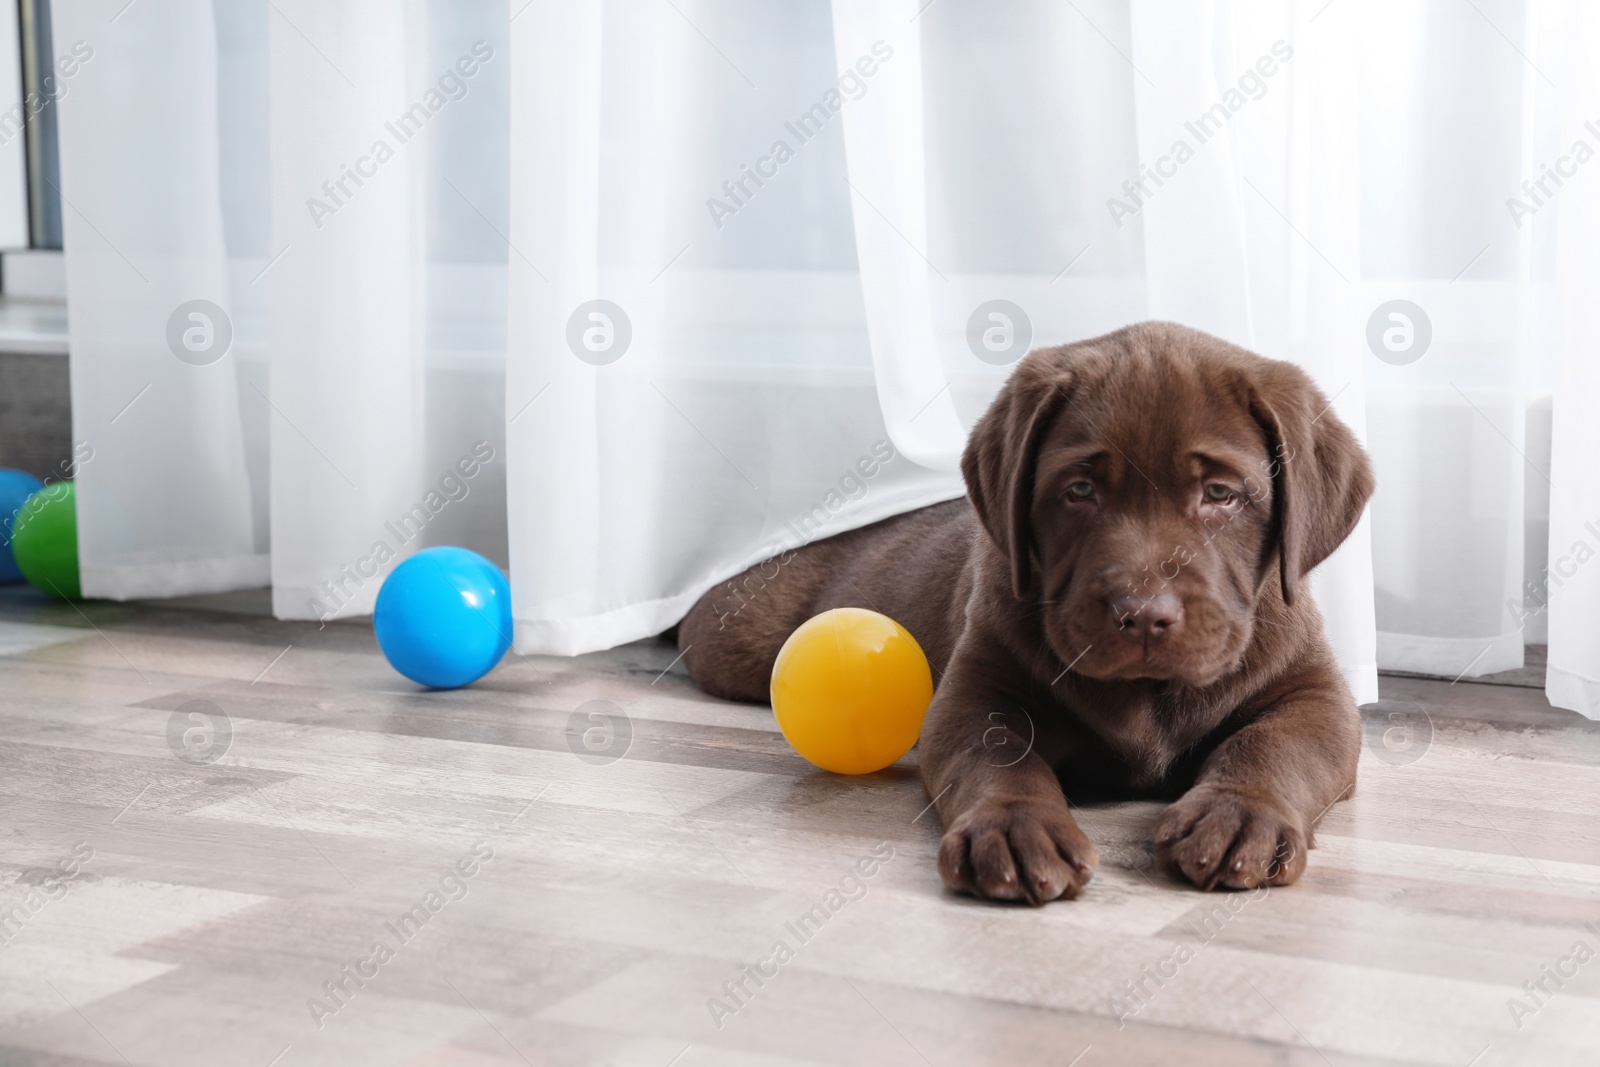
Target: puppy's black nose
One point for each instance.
(1146, 620)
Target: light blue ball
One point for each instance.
(443, 617)
(15, 488)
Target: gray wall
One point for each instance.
(35, 414)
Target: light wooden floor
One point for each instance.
(621, 896)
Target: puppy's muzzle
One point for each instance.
(1148, 620)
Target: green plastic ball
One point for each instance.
(44, 540)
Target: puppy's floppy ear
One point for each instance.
(1002, 454)
(1321, 478)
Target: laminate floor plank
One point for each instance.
(293, 887)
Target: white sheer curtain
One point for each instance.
(387, 330)
(1560, 260)
(164, 505)
(347, 385)
(708, 280)
(739, 416)
(207, 154)
(1482, 480)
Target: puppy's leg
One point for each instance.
(908, 567)
(731, 637)
(1249, 818)
(1008, 832)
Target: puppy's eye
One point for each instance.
(1217, 493)
(1080, 490)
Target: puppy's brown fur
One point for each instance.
(1117, 608)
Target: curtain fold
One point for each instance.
(1572, 588)
(690, 388)
(164, 499)
(888, 176)
(1446, 281)
(387, 321)
(347, 384)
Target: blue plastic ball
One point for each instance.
(15, 488)
(443, 617)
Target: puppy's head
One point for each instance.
(1147, 488)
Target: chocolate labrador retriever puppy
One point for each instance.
(1117, 608)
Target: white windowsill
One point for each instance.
(33, 327)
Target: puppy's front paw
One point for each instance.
(1017, 850)
(1218, 837)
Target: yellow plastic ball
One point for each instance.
(849, 690)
